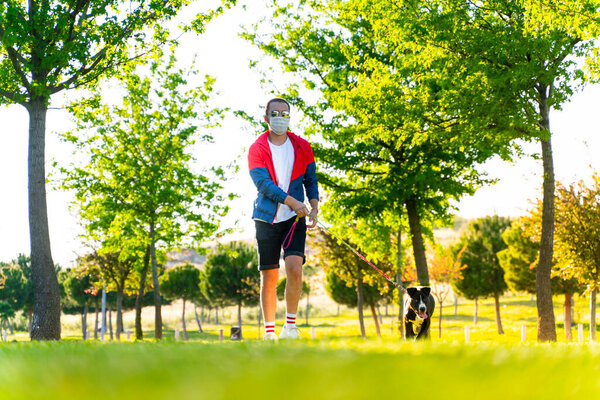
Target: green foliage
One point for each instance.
(148, 178)
(231, 275)
(17, 290)
(181, 282)
(578, 231)
(281, 288)
(519, 259)
(482, 275)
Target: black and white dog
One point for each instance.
(418, 308)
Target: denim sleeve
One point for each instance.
(310, 181)
(265, 185)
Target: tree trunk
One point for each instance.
(455, 304)
(46, 297)
(202, 314)
(119, 312)
(155, 283)
(96, 322)
(10, 327)
(543, 290)
(593, 315)
(374, 313)
(475, 316)
(359, 304)
(84, 322)
(440, 319)
(239, 314)
(110, 328)
(386, 311)
(103, 329)
(217, 315)
(307, 306)
(498, 320)
(139, 334)
(568, 320)
(185, 334)
(197, 318)
(399, 280)
(29, 320)
(379, 315)
(414, 222)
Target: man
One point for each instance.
(282, 166)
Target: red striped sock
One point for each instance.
(290, 319)
(269, 327)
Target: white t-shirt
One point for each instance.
(283, 162)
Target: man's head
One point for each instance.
(277, 115)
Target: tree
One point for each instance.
(146, 194)
(354, 272)
(394, 147)
(80, 288)
(525, 59)
(482, 275)
(230, 276)
(578, 237)
(343, 292)
(520, 259)
(445, 268)
(182, 282)
(50, 46)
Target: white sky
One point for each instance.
(225, 56)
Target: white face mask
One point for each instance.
(279, 125)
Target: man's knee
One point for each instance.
(269, 277)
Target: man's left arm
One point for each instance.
(312, 189)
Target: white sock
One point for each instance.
(290, 319)
(269, 327)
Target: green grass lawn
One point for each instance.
(338, 364)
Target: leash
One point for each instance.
(291, 232)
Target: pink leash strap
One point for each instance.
(290, 234)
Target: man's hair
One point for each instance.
(275, 100)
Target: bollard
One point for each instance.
(313, 333)
(523, 333)
(220, 335)
(467, 334)
(580, 332)
(177, 334)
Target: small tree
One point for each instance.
(181, 282)
(79, 287)
(482, 275)
(231, 275)
(444, 268)
(578, 237)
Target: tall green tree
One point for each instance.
(578, 237)
(50, 46)
(526, 62)
(182, 282)
(394, 147)
(482, 275)
(80, 288)
(139, 188)
(231, 276)
(520, 259)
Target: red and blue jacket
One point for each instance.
(262, 171)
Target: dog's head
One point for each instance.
(418, 300)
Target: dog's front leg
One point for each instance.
(424, 332)
(408, 327)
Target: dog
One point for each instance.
(418, 308)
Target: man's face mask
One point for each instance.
(279, 122)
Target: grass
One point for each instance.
(338, 364)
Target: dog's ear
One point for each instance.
(411, 291)
(426, 291)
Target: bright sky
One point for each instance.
(222, 54)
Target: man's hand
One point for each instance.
(313, 223)
(299, 207)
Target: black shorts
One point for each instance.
(270, 242)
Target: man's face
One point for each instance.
(277, 109)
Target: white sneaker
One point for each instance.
(289, 332)
(270, 336)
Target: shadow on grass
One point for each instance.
(462, 318)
